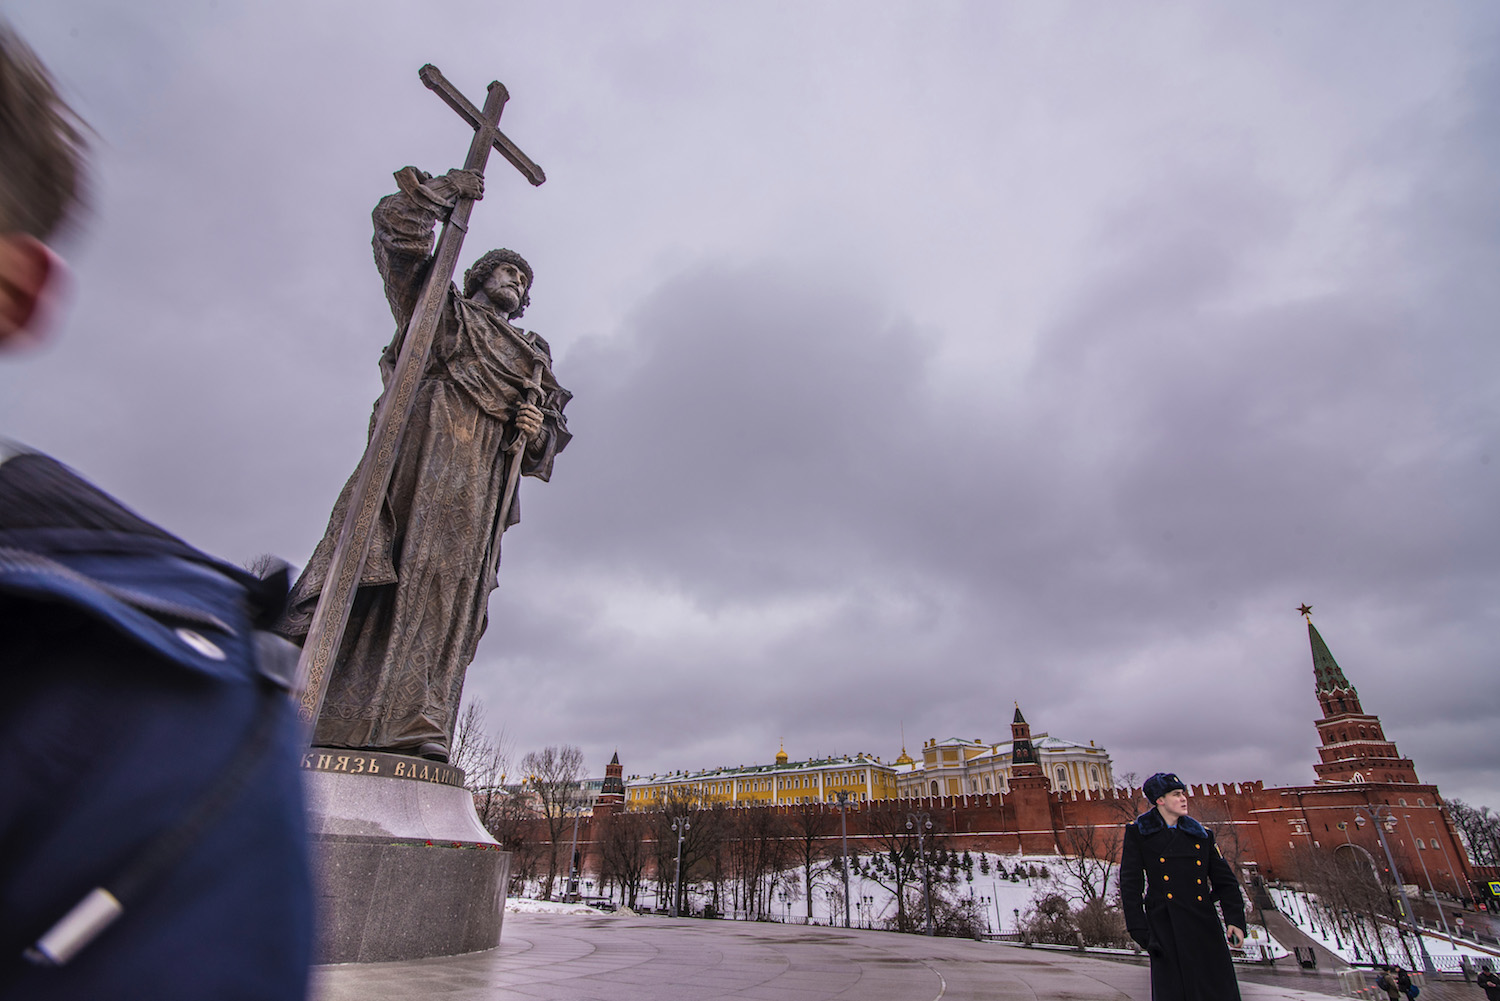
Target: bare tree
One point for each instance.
(1232, 841)
(699, 843)
(484, 757)
(1093, 855)
(902, 860)
(508, 815)
(624, 853)
(266, 564)
(755, 851)
(1354, 899)
(1102, 923)
(811, 828)
(1049, 919)
(552, 775)
(1479, 827)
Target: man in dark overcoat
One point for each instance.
(1171, 875)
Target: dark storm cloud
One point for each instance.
(748, 410)
(923, 363)
(1174, 465)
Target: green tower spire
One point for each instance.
(1326, 670)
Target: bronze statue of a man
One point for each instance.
(420, 606)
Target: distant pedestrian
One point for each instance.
(1171, 875)
(1490, 983)
(1405, 986)
(1389, 984)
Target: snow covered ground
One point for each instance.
(1004, 900)
(527, 905)
(1357, 941)
(1000, 898)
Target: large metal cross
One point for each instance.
(348, 562)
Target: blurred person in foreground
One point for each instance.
(152, 837)
(1171, 875)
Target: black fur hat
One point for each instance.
(1160, 784)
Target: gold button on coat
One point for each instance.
(1169, 896)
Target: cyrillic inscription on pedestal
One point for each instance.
(395, 766)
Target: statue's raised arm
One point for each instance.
(403, 238)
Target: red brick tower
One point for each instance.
(611, 797)
(1023, 760)
(1352, 747)
(1030, 794)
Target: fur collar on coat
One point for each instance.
(1151, 822)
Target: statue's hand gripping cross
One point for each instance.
(353, 548)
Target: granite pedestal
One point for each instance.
(404, 868)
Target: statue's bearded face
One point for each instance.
(505, 286)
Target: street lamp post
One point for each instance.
(844, 849)
(1382, 817)
(571, 890)
(680, 826)
(1428, 876)
(922, 822)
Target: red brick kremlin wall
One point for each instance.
(1263, 827)
(1269, 822)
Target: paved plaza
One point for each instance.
(615, 958)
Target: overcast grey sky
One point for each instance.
(927, 357)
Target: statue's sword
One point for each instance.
(517, 448)
(326, 631)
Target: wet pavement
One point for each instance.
(624, 958)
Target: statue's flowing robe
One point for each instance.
(420, 606)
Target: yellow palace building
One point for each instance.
(784, 783)
(958, 767)
(952, 767)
